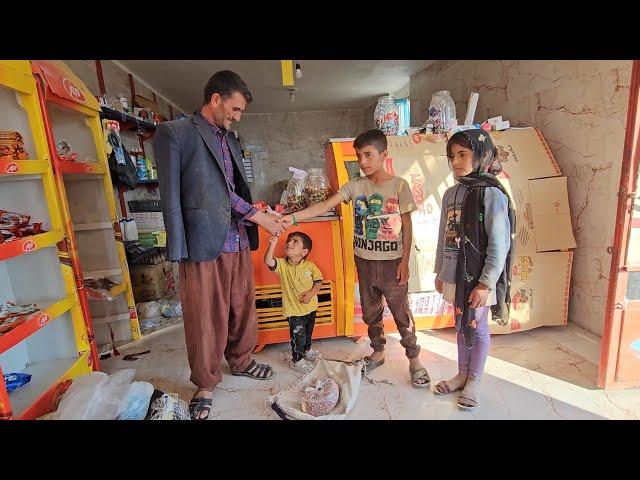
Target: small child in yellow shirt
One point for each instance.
(301, 281)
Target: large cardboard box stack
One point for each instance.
(153, 282)
(541, 269)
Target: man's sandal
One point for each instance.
(259, 371)
(199, 405)
(419, 374)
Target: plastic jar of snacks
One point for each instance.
(316, 186)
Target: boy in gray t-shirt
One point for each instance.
(382, 244)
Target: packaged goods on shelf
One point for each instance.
(12, 146)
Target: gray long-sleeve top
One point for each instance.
(496, 220)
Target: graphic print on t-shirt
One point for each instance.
(361, 207)
(378, 221)
(453, 229)
(372, 225)
(390, 226)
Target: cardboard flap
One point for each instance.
(64, 84)
(551, 218)
(524, 154)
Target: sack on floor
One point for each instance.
(288, 404)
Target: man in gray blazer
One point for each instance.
(211, 230)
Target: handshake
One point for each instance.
(271, 222)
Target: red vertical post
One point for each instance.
(101, 86)
(133, 91)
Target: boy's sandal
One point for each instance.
(420, 374)
(466, 403)
(259, 371)
(199, 405)
(372, 364)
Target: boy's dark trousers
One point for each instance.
(377, 278)
(300, 330)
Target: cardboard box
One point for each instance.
(149, 274)
(149, 292)
(540, 197)
(539, 292)
(532, 178)
(153, 282)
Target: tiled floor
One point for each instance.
(546, 373)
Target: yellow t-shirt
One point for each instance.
(377, 208)
(296, 280)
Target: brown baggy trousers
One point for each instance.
(219, 312)
(377, 278)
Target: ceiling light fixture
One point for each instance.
(298, 70)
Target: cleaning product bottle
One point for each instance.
(149, 165)
(141, 167)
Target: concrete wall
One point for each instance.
(369, 121)
(292, 139)
(116, 82)
(580, 108)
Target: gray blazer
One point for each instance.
(194, 190)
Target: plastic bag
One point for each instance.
(148, 309)
(13, 381)
(77, 401)
(149, 323)
(170, 308)
(135, 406)
(120, 163)
(321, 397)
(96, 396)
(111, 395)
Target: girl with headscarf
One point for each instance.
(473, 256)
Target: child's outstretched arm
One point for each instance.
(315, 209)
(268, 255)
